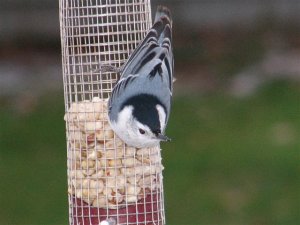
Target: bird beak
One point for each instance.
(163, 137)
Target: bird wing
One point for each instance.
(153, 56)
(155, 46)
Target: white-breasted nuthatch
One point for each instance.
(139, 105)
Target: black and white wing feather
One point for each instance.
(152, 57)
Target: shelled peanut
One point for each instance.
(102, 170)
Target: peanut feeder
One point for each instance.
(108, 182)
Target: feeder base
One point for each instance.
(147, 211)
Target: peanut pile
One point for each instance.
(102, 170)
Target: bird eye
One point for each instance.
(142, 131)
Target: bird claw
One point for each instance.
(108, 68)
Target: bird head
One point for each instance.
(141, 123)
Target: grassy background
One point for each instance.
(232, 161)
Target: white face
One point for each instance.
(133, 133)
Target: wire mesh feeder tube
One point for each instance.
(107, 181)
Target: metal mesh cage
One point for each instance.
(107, 180)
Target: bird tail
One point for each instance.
(162, 11)
(163, 23)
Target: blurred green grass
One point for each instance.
(232, 161)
